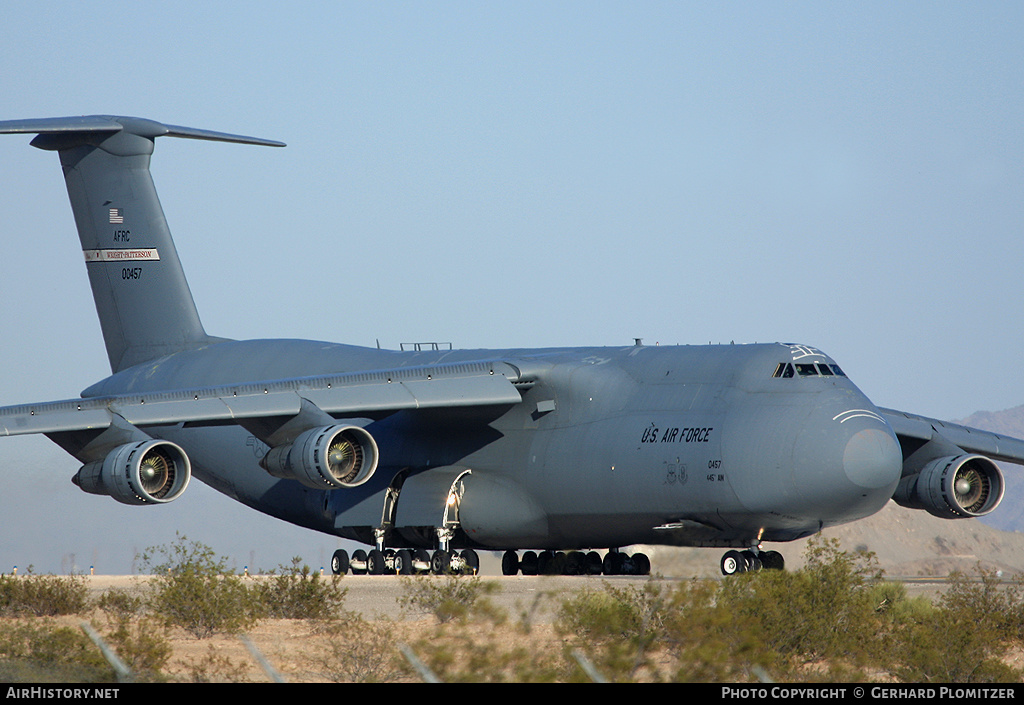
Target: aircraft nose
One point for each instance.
(851, 466)
(872, 458)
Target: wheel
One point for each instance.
(612, 563)
(575, 563)
(471, 562)
(359, 557)
(440, 562)
(641, 564)
(422, 557)
(733, 563)
(510, 563)
(375, 562)
(772, 560)
(752, 561)
(339, 562)
(403, 562)
(593, 562)
(528, 564)
(545, 559)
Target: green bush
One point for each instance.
(449, 599)
(120, 604)
(41, 652)
(618, 627)
(195, 591)
(966, 635)
(43, 595)
(360, 651)
(822, 611)
(142, 645)
(474, 642)
(298, 592)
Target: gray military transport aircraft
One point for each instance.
(430, 454)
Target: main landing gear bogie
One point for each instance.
(734, 562)
(405, 562)
(574, 563)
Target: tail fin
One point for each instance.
(144, 304)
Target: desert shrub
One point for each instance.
(359, 651)
(194, 590)
(451, 598)
(775, 622)
(297, 592)
(120, 604)
(214, 667)
(707, 641)
(142, 644)
(479, 644)
(457, 653)
(965, 636)
(35, 651)
(822, 611)
(43, 595)
(617, 628)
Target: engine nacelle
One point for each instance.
(955, 487)
(145, 472)
(327, 458)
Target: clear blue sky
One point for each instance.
(524, 174)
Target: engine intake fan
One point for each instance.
(145, 472)
(954, 487)
(330, 457)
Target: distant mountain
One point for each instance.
(906, 542)
(1009, 422)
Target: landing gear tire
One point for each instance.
(440, 562)
(510, 563)
(612, 563)
(772, 560)
(422, 556)
(359, 557)
(575, 563)
(375, 562)
(752, 561)
(593, 563)
(403, 562)
(641, 564)
(339, 562)
(733, 563)
(529, 563)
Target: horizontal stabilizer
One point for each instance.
(110, 124)
(146, 310)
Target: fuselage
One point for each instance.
(691, 445)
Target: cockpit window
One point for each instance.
(784, 370)
(787, 370)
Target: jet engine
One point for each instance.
(325, 458)
(954, 487)
(145, 472)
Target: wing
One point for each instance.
(913, 431)
(275, 411)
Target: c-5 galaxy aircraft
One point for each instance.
(428, 455)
